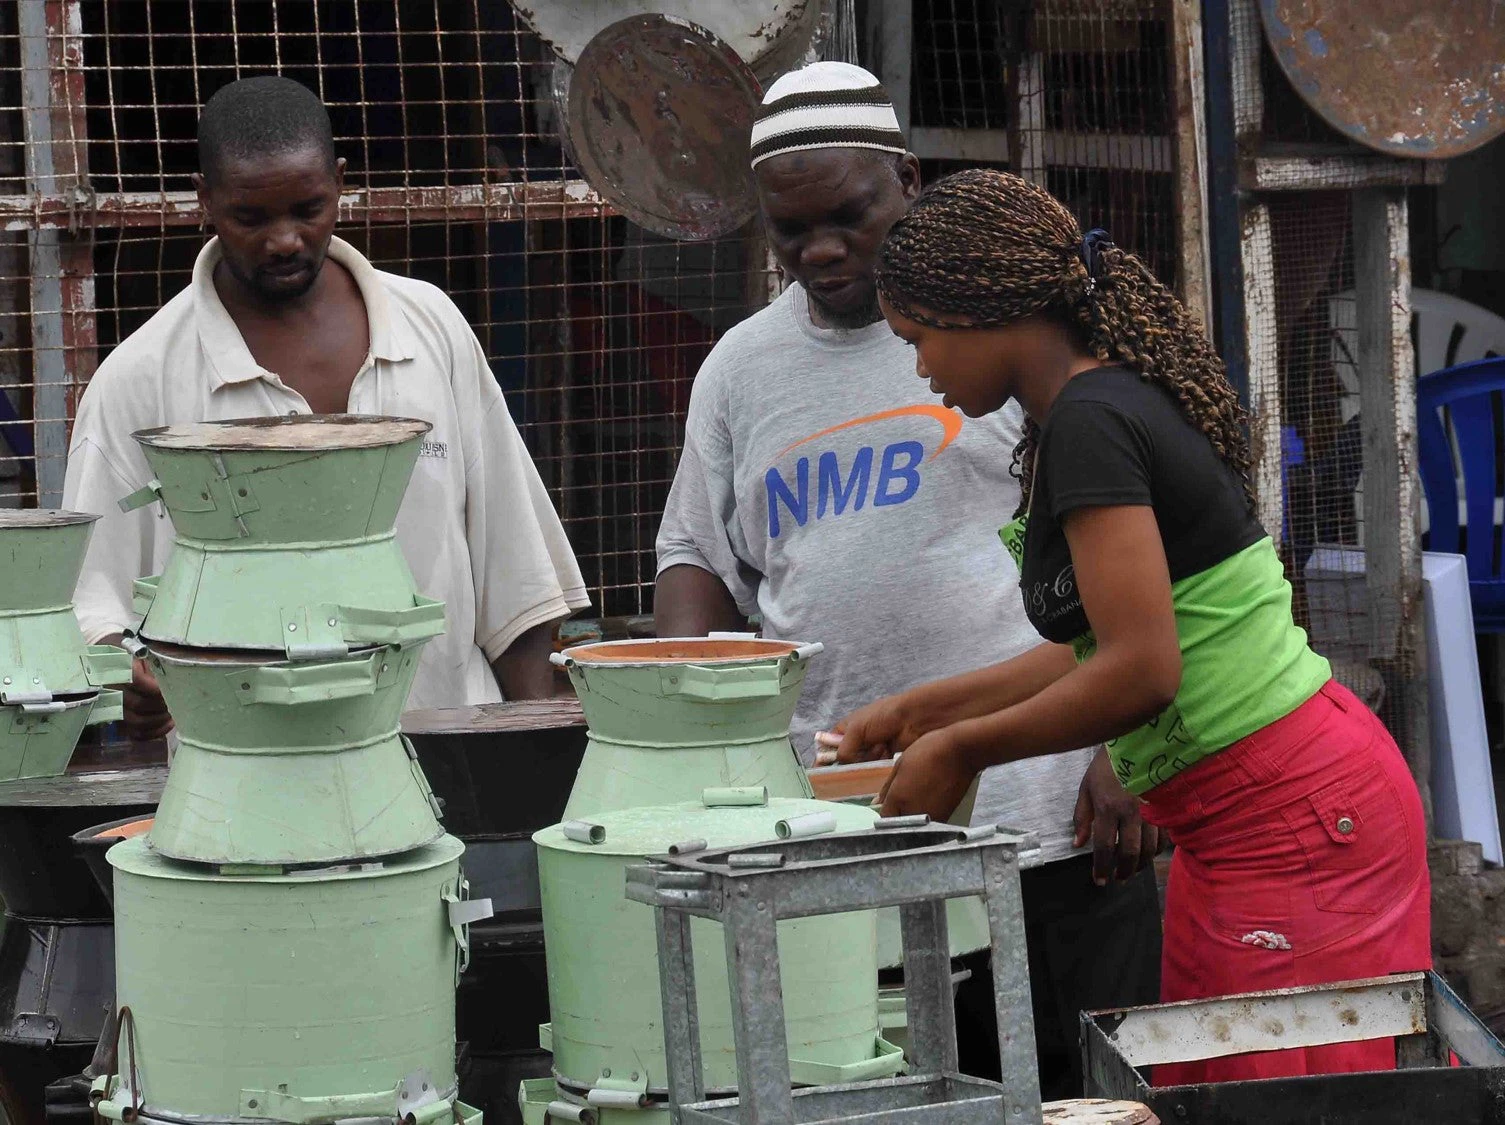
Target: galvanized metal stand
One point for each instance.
(913, 866)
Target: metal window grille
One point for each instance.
(444, 111)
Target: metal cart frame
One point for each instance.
(904, 862)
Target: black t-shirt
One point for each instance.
(1114, 439)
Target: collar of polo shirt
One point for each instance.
(230, 361)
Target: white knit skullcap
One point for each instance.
(825, 105)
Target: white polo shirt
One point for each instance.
(476, 525)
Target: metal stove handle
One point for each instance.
(109, 707)
(290, 684)
(461, 910)
(887, 1061)
(105, 665)
(144, 594)
(148, 493)
(418, 622)
(717, 685)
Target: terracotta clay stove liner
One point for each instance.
(124, 831)
(92, 844)
(678, 651)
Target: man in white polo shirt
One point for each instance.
(281, 317)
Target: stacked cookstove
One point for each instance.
(289, 932)
(51, 682)
(53, 995)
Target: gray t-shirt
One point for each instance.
(825, 484)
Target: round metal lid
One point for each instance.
(1415, 78)
(767, 33)
(660, 122)
(654, 830)
(136, 856)
(293, 432)
(41, 517)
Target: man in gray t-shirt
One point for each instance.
(825, 488)
(828, 490)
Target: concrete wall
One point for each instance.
(1468, 927)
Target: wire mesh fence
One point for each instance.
(445, 113)
(1074, 94)
(1303, 358)
(419, 93)
(1316, 400)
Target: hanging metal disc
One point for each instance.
(769, 35)
(1417, 78)
(660, 122)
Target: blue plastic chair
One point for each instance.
(1467, 393)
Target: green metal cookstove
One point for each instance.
(689, 745)
(285, 632)
(289, 933)
(605, 1030)
(51, 682)
(670, 717)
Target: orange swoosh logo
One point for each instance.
(950, 420)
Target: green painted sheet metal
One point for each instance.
(285, 548)
(50, 680)
(282, 762)
(316, 985)
(289, 935)
(343, 594)
(665, 730)
(603, 981)
(41, 555)
(225, 483)
(37, 740)
(46, 651)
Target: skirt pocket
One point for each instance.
(1357, 841)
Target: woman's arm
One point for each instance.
(1124, 584)
(973, 694)
(1125, 587)
(888, 726)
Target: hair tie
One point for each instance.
(1094, 242)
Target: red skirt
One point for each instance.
(1300, 859)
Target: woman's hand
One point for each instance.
(1108, 815)
(885, 728)
(931, 777)
(882, 729)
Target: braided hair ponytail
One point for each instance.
(988, 248)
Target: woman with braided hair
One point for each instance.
(1300, 841)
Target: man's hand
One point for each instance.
(146, 714)
(1108, 815)
(931, 776)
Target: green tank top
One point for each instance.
(1244, 663)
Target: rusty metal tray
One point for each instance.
(1424, 1015)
